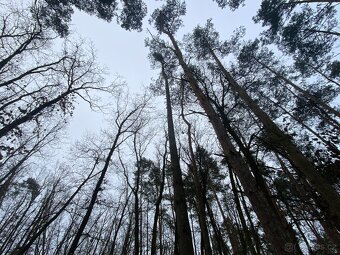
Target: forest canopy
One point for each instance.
(242, 156)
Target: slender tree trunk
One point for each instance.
(157, 209)
(222, 248)
(199, 193)
(95, 192)
(182, 220)
(8, 178)
(147, 228)
(297, 224)
(252, 227)
(325, 75)
(193, 234)
(256, 170)
(328, 144)
(22, 250)
(114, 241)
(160, 223)
(90, 207)
(174, 225)
(126, 244)
(5, 186)
(329, 228)
(136, 211)
(229, 227)
(246, 232)
(64, 239)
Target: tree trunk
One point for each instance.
(330, 146)
(252, 230)
(126, 244)
(221, 244)
(276, 233)
(98, 187)
(22, 250)
(113, 245)
(284, 143)
(157, 209)
(182, 221)
(199, 193)
(329, 228)
(136, 213)
(303, 92)
(249, 243)
(229, 227)
(30, 115)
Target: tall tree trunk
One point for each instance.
(252, 230)
(200, 193)
(182, 221)
(245, 229)
(160, 223)
(97, 188)
(275, 231)
(222, 248)
(329, 228)
(90, 207)
(229, 228)
(127, 238)
(114, 241)
(283, 143)
(330, 146)
(193, 234)
(256, 170)
(157, 209)
(136, 205)
(24, 248)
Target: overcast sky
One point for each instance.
(123, 53)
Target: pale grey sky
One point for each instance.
(123, 52)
